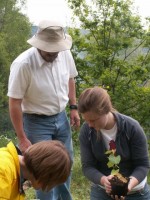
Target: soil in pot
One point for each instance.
(119, 185)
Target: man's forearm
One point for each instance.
(72, 92)
(16, 116)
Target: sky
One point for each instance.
(38, 10)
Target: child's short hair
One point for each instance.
(49, 162)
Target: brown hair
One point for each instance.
(95, 99)
(49, 162)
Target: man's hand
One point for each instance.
(74, 119)
(24, 144)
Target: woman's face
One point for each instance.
(96, 121)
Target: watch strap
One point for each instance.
(73, 107)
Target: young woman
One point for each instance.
(102, 125)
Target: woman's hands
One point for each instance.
(117, 198)
(106, 183)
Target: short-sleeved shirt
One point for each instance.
(42, 85)
(10, 174)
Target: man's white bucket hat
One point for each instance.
(51, 37)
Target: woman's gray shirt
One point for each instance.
(131, 145)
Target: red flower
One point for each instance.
(112, 144)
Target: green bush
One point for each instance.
(6, 137)
(5, 122)
(3, 141)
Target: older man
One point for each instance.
(41, 83)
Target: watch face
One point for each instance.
(73, 107)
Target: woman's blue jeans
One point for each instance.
(56, 127)
(98, 193)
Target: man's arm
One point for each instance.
(74, 116)
(17, 121)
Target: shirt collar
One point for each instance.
(39, 58)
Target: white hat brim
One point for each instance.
(53, 46)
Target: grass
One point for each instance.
(80, 186)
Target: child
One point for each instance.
(46, 164)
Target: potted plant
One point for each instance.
(119, 183)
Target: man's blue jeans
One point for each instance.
(98, 193)
(56, 127)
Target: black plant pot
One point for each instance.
(119, 187)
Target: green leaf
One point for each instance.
(108, 152)
(113, 172)
(114, 159)
(110, 164)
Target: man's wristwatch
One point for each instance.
(73, 107)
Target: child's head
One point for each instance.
(49, 162)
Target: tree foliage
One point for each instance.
(111, 49)
(14, 31)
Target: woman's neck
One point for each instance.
(110, 121)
